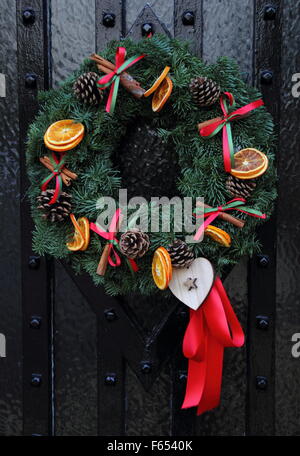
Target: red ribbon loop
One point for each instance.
(212, 327)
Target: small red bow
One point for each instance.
(224, 124)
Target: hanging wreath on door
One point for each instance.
(201, 122)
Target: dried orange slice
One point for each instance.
(84, 226)
(162, 94)
(249, 164)
(168, 261)
(65, 147)
(64, 132)
(81, 236)
(218, 235)
(161, 268)
(77, 242)
(157, 82)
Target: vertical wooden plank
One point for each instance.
(75, 338)
(76, 379)
(262, 278)
(10, 261)
(109, 22)
(188, 23)
(72, 35)
(228, 30)
(32, 59)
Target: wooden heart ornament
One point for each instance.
(192, 285)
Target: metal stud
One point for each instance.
(35, 322)
(261, 382)
(182, 376)
(109, 20)
(262, 322)
(188, 18)
(266, 77)
(36, 380)
(30, 80)
(28, 16)
(270, 12)
(34, 262)
(110, 315)
(146, 367)
(263, 260)
(147, 29)
(110, 379)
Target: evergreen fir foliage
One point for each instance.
(200, 159)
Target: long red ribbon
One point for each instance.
(110, 236)
(224, 125)
(212, 327)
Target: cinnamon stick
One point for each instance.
(66, 179)
(225, 216)
(130, 84)
(64, 170)
(102, 266)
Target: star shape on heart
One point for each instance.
(191, 284)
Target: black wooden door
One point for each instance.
(80, 363)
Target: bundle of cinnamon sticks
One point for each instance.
(66, 175)
(126, 80)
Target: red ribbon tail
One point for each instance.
(57, 192)
(212, 327)
(109, 100)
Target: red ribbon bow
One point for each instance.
(212, 327)
(224, 124)
(58, 164)
(110, 236)
(236, 204)
(113, 79)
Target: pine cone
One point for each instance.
(134, 244)
(240, 188)
(181, 255)
(58, 211)
(86, 90)
(205, 92)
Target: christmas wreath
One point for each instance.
(195, 90)
(202, 124)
